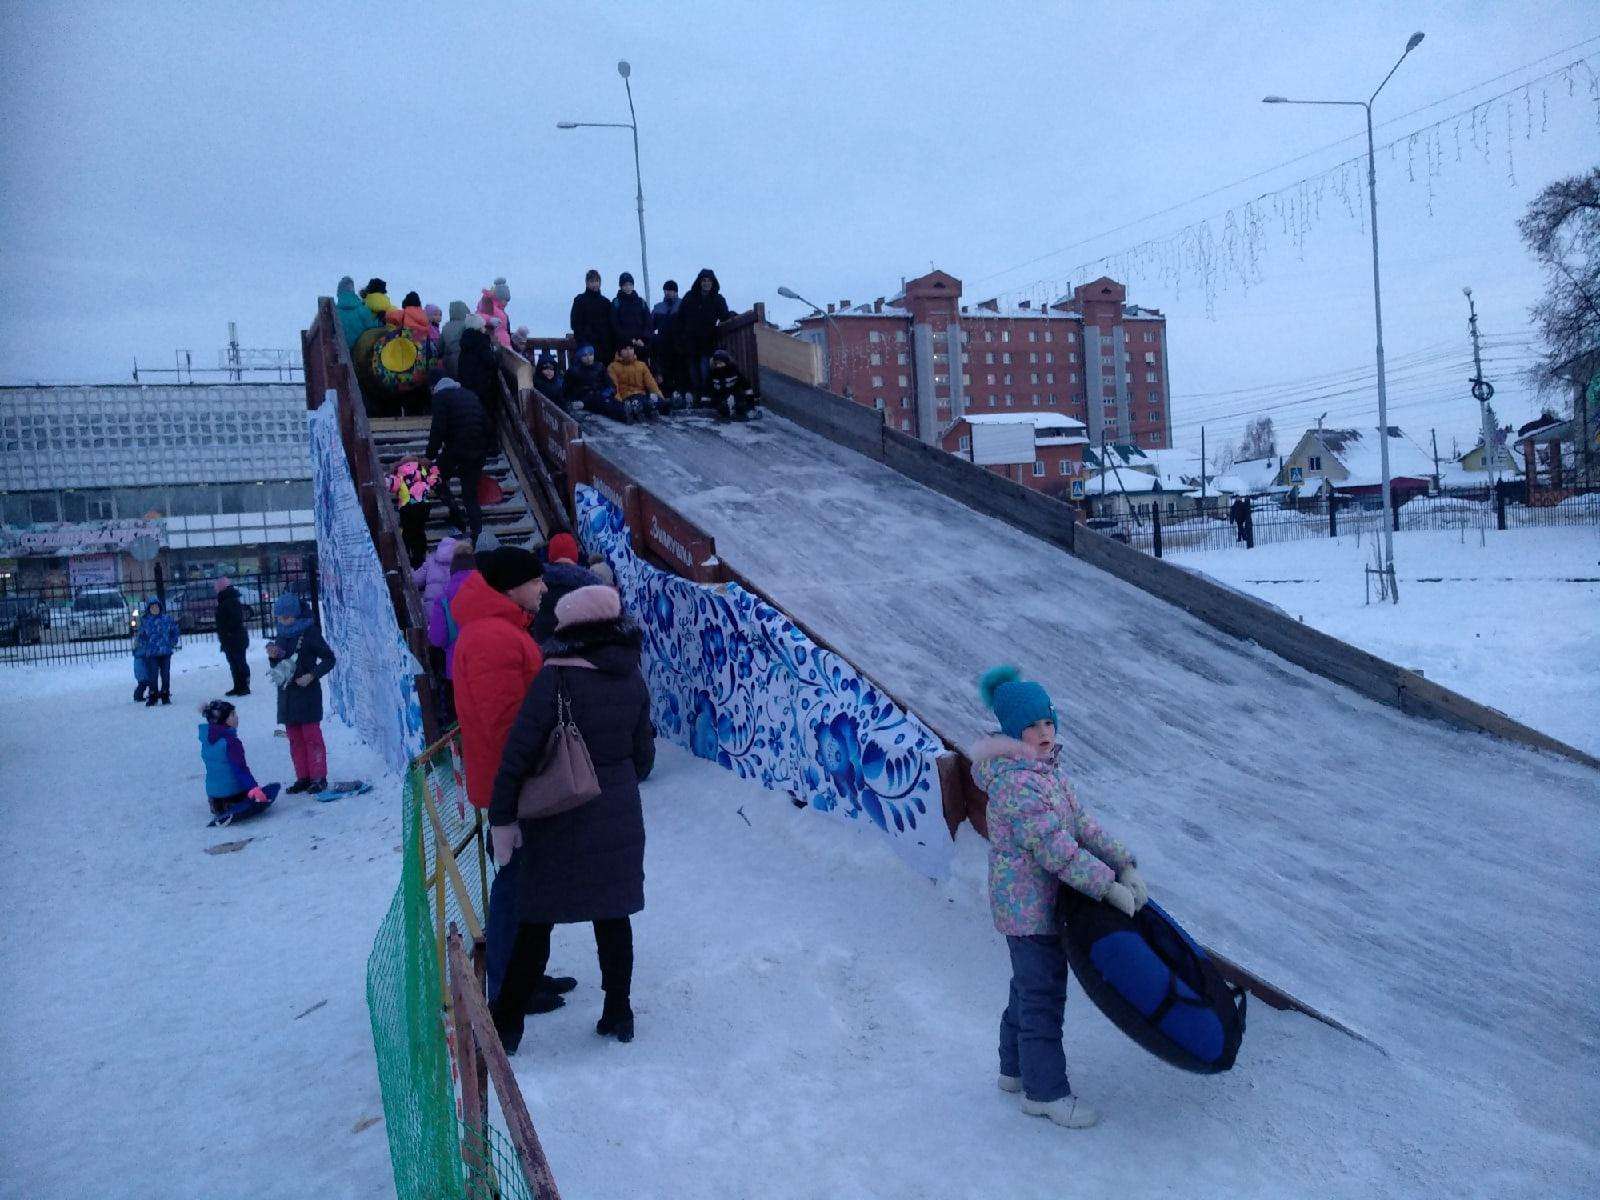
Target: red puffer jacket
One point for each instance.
(495, 661)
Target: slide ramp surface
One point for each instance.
(1433, 888)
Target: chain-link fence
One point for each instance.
(1265, 520)
(435, 1045)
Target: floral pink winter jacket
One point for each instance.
(491, 310)
(1039, 837)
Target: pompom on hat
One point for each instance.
(1016, 702)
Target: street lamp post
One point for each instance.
(838, 335)
(632, 124)
(1377, 296)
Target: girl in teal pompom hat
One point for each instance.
(1039, 838)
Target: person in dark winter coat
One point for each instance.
(593, 320)
(1239, 514)
(300, 657)
(460, 441)
(155, 641)
(233, 636)
(479, 372)
(630, 316)
(586, 864)
(588, 383)
(228, 776)
(701, 311)
(665, 359)
(548, 379)
(732, 395)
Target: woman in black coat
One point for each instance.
(695, 329)
(586, 864)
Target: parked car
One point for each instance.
(194, 605)
(102, 612)
(22, 622)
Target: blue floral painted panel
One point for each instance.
(737, 682)
(373, 688)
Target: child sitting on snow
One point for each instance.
(1039, 838)
(231, 789)
(733, 397)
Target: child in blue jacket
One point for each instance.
(154, 641)
(231, 789)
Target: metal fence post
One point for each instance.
(161, 586)
(1500, 506)
(316, 597)
(1155, 526)
(1250, 526)
(1333, 515)
(1394, 510)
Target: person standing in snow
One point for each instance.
(1039, 838)
(155, 641)
(665, 361)
(1239, 514)
(228, 777)
(593, 320)
(233, 636)
(355, 318)
(300, 657)
(495, 661)
(585, 864)
(630, 316)
(698, 316)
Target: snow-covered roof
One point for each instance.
(1362, 456)
(1257, 474)
(1139, 482)
(1036, 419)
(1124, 453)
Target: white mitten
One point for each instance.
(1130, 878)
(506, 839)
(1120, 898)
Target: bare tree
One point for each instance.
(1562, 229)
(1259, 441)
(1222, 459)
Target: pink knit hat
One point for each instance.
(585, 605)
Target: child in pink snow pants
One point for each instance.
(300, 658)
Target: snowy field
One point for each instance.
(1510, 619)
(177, 1023)
(814, 1019)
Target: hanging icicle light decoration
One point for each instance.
(1229, 250)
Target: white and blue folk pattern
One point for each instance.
(373, 688)
(738, 683)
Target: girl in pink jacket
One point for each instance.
(492, 308)
(1039, 838)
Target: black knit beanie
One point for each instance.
(508, 567)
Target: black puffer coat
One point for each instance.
(586, 864)
(699, 313)
(594, 323)
(476, 369)
(460, 435)
(232, 633)
(297, 704)
(631, 316)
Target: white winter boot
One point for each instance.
(1010, 1083)
(1069, 1111)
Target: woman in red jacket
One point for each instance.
(495, 662)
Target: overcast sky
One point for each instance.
(166, 171)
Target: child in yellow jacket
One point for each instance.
(637, 390)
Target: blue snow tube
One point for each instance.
(1153, 981)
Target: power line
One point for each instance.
(1298, 158)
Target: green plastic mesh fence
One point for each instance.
(435, 1157)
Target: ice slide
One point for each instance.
(1432, 888)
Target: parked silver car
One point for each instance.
(102, 612)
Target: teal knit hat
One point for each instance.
(1017, 702)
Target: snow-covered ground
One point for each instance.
(814, 1019)
(1510, 619)
(177, 1023)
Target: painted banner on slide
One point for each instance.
(735, 681)
(373, 689)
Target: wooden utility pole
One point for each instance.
(1434, 434)
(1202, 466)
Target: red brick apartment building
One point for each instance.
(926, 361)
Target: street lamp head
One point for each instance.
(1274, 99)
(566, 124)
(1466, 291)
(787, 293)
(1416, 40)
(625, 70)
